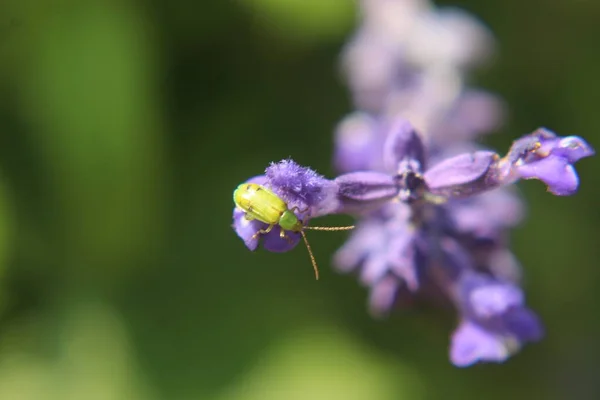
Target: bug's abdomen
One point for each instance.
(259, 203)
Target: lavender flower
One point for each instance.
(494, 322)
(452, 224)
(434, 209)
(409, 59)
(416, 235)
(310, 192)
(449, 232)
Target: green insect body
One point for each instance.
(261, 204)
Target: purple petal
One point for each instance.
(259, 180)
(374, 268)
(484, 297)
(555, 172)
(402, 143)
(273, 242)
(246, 229)
(488, 214)
(523, 324)
(371, 66)
(461, 175)
(498, 308)
(361, 190)
(572, 148)
(543, 141)
(545, 156)
(369, 239)
(302, 187)
(471, 344)
(358, 143)
(475, 112)
(456, 260)
(449, 36)
(527, 145)
(494, 299)
(402, 259)
(383, 296)
(503, 264)
(541, 155)
(381, 248)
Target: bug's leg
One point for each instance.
(283, 235)
(296, 208)
(263, 231)
(305, 211)
(248, 217)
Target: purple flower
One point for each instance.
(472, 113)
(433, 209)
(302, 187)
(409, 58)
(438, 231)
(541, 155)
(549, 158)
(494, 322)
(445, 234)
(310, 195)
(359, 143)
(446, 237)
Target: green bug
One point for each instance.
(261, 204)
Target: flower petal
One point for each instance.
(555, 172)
(488, 214)
(383, 296)
(573, 148)
(523, 325)
(545, 156)
(273, 242)
(461, 175)
(371, 65)
(494, 299)
(246, 229)
(484, 297)
(368, 238)
(363, 190)
(358, 143)
(302, 187)
(471, 344)
(402, 143)
(474, 112)
(374, 268)
(402, 259)
(498, 308)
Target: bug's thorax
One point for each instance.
(290, 222)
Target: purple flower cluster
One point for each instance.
(433, 209)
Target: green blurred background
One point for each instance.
(126, 125)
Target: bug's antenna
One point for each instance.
(330, 228)
(310, 253)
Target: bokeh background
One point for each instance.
(126, 125)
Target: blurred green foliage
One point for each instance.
(124, 128)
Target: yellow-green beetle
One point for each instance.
(261, 204)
